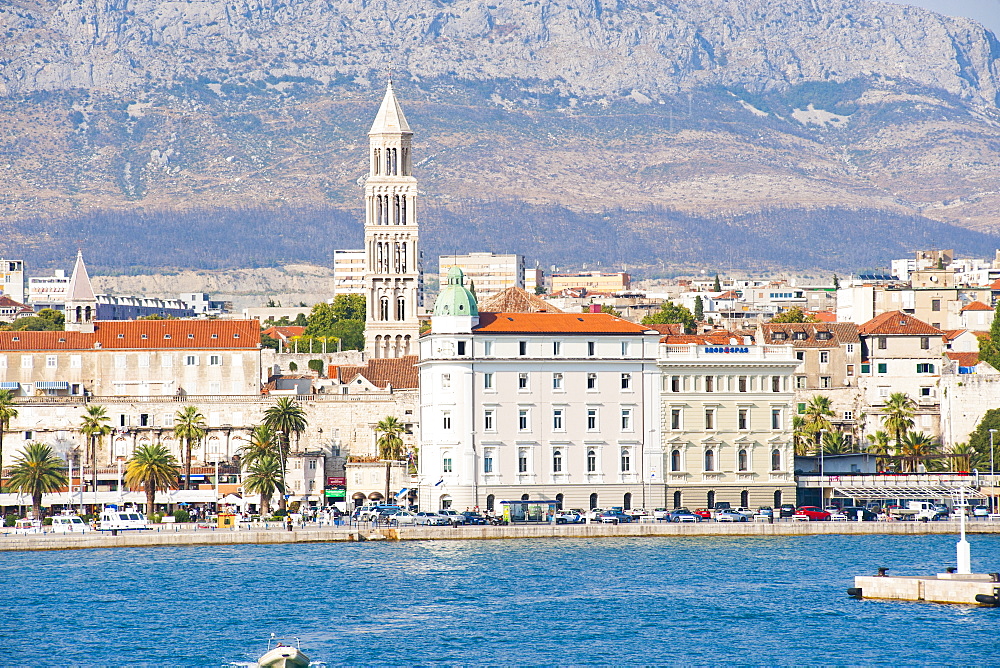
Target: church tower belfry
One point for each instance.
(392, 274)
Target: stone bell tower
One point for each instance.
(392, 275)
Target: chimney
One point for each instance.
(595, 308)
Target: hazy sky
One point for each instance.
(987, 12)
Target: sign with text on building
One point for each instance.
(727, 349)
(333, 481)
(336, 494)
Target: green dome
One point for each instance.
(455, 298)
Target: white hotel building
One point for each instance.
(581, 409)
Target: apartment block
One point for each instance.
(492, 273)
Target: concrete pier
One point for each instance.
(969, 589)
(171, 536)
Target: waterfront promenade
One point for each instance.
(174, 536)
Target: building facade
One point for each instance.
(349, 268)
(12, 279)
(392, 279)
(490, 272)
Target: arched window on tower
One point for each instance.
(403, 220)
(379, 260)
(388, 162)
(396, 219)
(395, 164)
(406, 161)
(397, 261)
(79, 314)
(86, 314)
(400, 308)
(378, 210)
(385, 209)
(402, 264)
(377, 161)
(383, 309)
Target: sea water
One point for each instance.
(612, 601)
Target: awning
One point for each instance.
(907, 492)
(51, 385)
(10, 385)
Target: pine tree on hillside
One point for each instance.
(717, 286)
(989, 348)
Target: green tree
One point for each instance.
(966, 458)
(671, 313)
(268, 342)
(351, 334)
(898, 417)
(95, 427)
(794, 314)
(265, 477)
(835, 443)
(390, 445)
(917, 447)
(151, 468)
(699, 309)
(286, 417)
(818, 412)
(263, 441)
(301, 320)
(349, 307)
(879, 445)
(37, 471)
(189, 427)
(989, 347)
(604, 309)
(979, 440)
(717, 285)
(7, 413)
(322, 318)
(46, 320)
(836, 282)
(800, 435)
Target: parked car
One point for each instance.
(764, 511)
(568, 517)
(743, 510)
(472, 517)
(786, 510)
(431, 519)
(404, 517)
(852, 513)
(454, 517)
(614, 517)
(369, 513)
(683, 515)
(594, 514)
(635, 513)
(813, 514)
(703, 513)
(981, 511)
(729, 516)
(660, 513)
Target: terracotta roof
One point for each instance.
(143, 334)
(810, 334)
(556, 323)
(995, 285)
(964, 359)
(284, 332)
(952, 334)
(976, 306)
(899, 324)
(672, 329)
(717, 338)
(399, 372)
(728, 294)
(7, 302)
(824, 316)
(516, 300)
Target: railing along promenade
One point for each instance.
(195, 399)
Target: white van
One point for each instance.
(122, 520)
(69, 524)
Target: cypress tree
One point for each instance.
(699, 309)
(717, 286)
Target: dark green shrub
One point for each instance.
(47, 522)
(182, 516)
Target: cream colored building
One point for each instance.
(12, 279)
(594, 281)
(492, 273)
(349, 272)
(726, 428)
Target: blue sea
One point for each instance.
(622, 601)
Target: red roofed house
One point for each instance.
(11, 310)
(902, 354)
(977, 316)
(284, 333)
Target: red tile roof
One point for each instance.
(952, 334)
(976, 306)
(284, 332)
(143, 334)
(964, 359)
(555, 323)
(995, 285)
(671, 329)
(824, 316)
(785, 332)
(400, 372)
(7, 302)
(897, 323)
(718, 338)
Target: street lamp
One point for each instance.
(822, 483)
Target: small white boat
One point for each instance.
(283, 656)
(27, 526)
(69, 523)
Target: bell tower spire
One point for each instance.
(392, 276)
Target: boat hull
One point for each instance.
(284, 657)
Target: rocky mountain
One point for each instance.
(674, 135)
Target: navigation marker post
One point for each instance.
(964, 551)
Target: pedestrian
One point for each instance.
(288, 522)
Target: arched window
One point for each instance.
(678, 500)
(395, 163)
(395, 257)
(775, 460)
(559, 501)
(406, 161)
(627, 501)
(711, 499)
(522, 461)
(388, 162)
(744, 499)
(402, 209)
(557, 461)
(490, 502)
(742, 460)
(86, 314)
(710, 460)
(79, 313)
(593, 500)
(384, 308)
(400, 308)
(395, 210)
(591, 461)
(377, 161)
(379, 258)
(777, 500)
(378, 210)
(626, 460)
(524, 497)
(402, 264)
(406, 345)
(675, 460)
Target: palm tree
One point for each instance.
(38, 471)
(878, 445)
(263, 441)
(189, 426)
(151, 467)
(817, 411)
(898, 418)
(95, 428)
(390, 445)
(286, 418)
(265, 477)
(834, 443)
(7, 413)
(916, 447)
(800, 437)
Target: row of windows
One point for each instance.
(724, 384)
(883, 368)
(710, 461)
(712, 416)
(121, 361)
(559, 419)
(555, 349)
(882, 342)
(558, 381)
